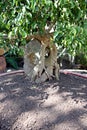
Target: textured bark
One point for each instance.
(40, 59)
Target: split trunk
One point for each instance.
(40, 59)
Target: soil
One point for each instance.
(53, 105)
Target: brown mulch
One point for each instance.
(53, 105)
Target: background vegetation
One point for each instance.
(68, 19)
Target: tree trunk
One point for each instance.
(40, 59)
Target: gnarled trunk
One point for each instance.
(40, 60)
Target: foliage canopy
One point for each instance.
(68, 19)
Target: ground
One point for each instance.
(53, 105)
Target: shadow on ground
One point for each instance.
(74, 85)
(51, 105)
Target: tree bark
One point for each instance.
(40, 59)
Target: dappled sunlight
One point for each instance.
(2, 96)
(10, 83)
(16, 91)
(38, 36)
(70, 120)
(54, 113)
(75, 90)
(67, 125)
(48, 106)
(36, 118)
(83, 119)
(8, 107)
(49, 118)
(5, 81)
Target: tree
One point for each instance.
(66, 20)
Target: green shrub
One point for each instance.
(68, 18)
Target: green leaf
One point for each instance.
(28, 1)
(23, 33)
(12, 62)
